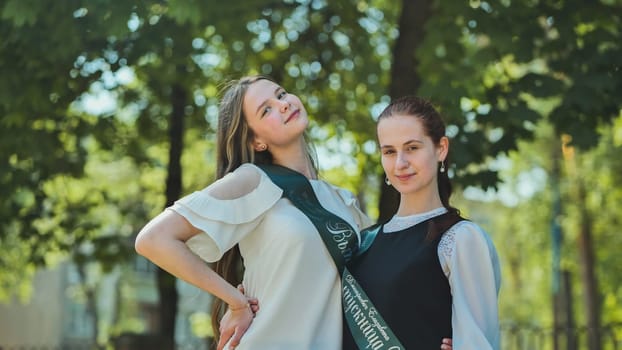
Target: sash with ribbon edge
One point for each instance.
(367, 326)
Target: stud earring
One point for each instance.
(442, 169)
(263, 147)
(386, 181)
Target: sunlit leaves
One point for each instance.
(16, 271)
(82, 184)
(542, 52)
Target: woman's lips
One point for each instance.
(404, 177)
(292, 116)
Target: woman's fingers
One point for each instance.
(253, 302)
(233, 325)
(446, 344)
(225, 335)
(235, 339)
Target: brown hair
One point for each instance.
(234, 148)
(434, 127)
(234, 138)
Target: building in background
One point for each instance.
(58, 316)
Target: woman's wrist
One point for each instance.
(239, 307)
(239, 303)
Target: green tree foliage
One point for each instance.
(483, 61)
(81, 182)
(176, 54)
(604, 199)
(564, 52)
(519, 217)
(42, 135)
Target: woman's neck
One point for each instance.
(302, 166)
(298, 160)
(418, 203)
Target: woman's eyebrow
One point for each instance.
(266, 101)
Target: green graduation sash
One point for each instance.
(368, 328)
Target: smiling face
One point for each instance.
(276, 117)
(409, 156)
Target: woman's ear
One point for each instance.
(259, 146)
(443, 148)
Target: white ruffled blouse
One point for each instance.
(287, 266)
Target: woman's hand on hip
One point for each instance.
(233, 325)
(235, 322)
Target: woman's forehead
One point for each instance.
(257, 93)
(398, 128)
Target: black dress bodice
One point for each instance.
(402, 276)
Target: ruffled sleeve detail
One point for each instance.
(226, 221)
(233, 211)
(470, 262)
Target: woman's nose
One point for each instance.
(401, 162)
(284, 105)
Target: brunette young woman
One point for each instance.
(430, 273)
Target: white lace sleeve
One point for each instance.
(227, 210)
(469, 260)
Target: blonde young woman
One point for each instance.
(286, 266)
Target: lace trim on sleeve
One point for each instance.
(447, 245)
(448, 242)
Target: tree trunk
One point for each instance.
(587, 268)
(166, 282)
(404, 78)
(556, 243)
(91, 305)
(586, 249)
(568, 311)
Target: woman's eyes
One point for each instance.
(409, 149)
(280, 95)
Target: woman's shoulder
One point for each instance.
(349, 199)
(464, 233)
(238, 197)
(467, 229)
(345, 194)
(239, 183)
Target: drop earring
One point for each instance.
(442, 169)
(386, 181)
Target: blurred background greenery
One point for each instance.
(108, 111)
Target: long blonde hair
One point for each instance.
(234, 148)
(234, 135)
